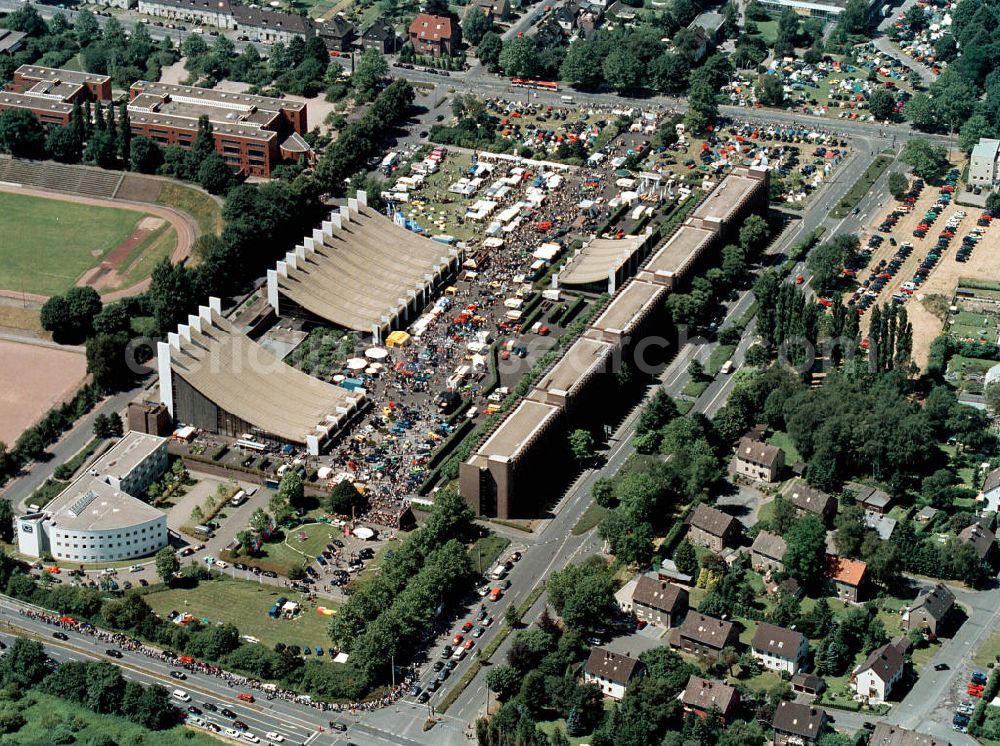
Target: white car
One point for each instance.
(232, 733)
(135, 568)
(195, 720)
(220, 563)
(275, 737)
(250, 738)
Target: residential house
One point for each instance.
(881, 524)
(758, 461)
(437, 36)
(550, 33)
(983, 540)
(495, 10)
(767, 553)
(810, 501)
(990, 493)
(894, 735)
(792, 587)
(778, 648)
(565, 16)
(807, 683)
(381, 35)
(710, 527)
(711, 24)
(588, 21)
(216, 13)
(797, 725)
(847, 578)
(926, 514)
(870, 498)
(621, 12)
(881, 672)
(338, 34)
(930, 609)
(272, 26)
(659, 602)
(703, 635)
(612, 672)
(700, 696)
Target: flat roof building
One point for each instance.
(252, 133)
(677, 254)
(983, 162)
(827, 9)
(98, 517)
(49, 93)
(360, 271)
(604, 261)
(217, 379)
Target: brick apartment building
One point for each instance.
(50, 93)
(253, 134)
(437, 36)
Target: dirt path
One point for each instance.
(184, 225)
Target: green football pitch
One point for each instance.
(47, 244)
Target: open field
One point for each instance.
(33, 379)
(45, 715)
(245, 604)
(989, 651)
(199, 205)
(51, 243)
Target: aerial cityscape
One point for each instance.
(500, 372)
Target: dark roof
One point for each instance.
(807, 681)
(274, 20)
(757, 452)
(893, 735)
(706, 630)
(777, 641)
(936, 601)
(711, 520)
(981, 539)
(770, 545)
(799, 720)
(704, 694)
(611, 666)
(431, 28)
(992, 480)
(338, 27)
(214, 6)
(791, 587)
(658, 594)
(886, 662)
(809, 499)
(869, 495)
(380, 30)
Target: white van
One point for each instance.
(727, 368)
(181, 695)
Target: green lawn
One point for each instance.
(486, 550)
(245, 604)
(784, 442)
(718, 356)
(290, 549)
(989, 651)
(592, 516)
(862, 186)
(46, 715)
(139, 264)
(199, 205)
(694, 389)
(768, 31)
(50, 243)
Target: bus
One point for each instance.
(538, 85)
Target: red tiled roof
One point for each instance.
(431, 28)
(845, 570)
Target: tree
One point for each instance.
(703, 106)
(167, 564)
(21, 134)
(105, 687)
(245, 538)
(369, 76)
(754, 234)
(24, 663)
(975, 128)
(475, 25)
(827, 261)
(927, 161)
(583, 593)
(581, 445)
(850, 531)
(6, 521)
(518, 58)
(214, 175)
(106, 361)
(685, 558)
(260, 520)
(345, 499)
(64, 145)
(882, 104)
(145, 155)
(993, 204)
(806, 551)
(622, 70)
(489, 50)
(920, 112)
(898, 184)
(291, 488)
(770, 90)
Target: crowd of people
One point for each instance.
(232, 680)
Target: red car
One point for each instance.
(457, 639)
(245, 697)
(469, 644)
(467, 626)
(799, 279)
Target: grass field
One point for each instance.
(989, 651)
(592, 516)
(861, 186)
(246, 604)
(50, 243)
(139, 264)
(48, 716)
(486, 550)
(205, 210)
(785, 443)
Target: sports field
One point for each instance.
(33, 379)
(48, 244)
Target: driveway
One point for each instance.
(742, 502)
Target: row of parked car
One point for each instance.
(963, 714)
